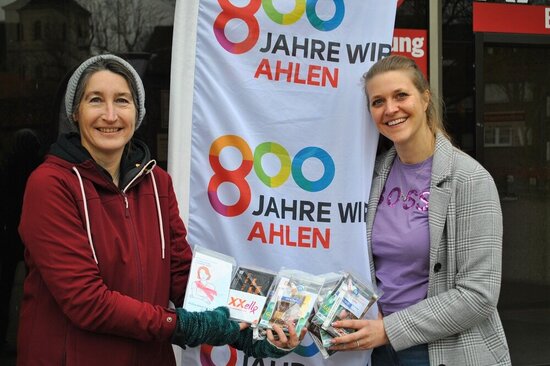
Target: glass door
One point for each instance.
(513, 143)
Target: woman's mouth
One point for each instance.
(109, 130)
(396, 122)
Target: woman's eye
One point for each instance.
(95, 99)
(402, 95)
(376, 103)
(123, 100)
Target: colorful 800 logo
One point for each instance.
(249, 160)
(247, 15)
(231, 358)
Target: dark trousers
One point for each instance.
(387, 356)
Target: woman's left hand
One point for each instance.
(286, 342)
(369, 334)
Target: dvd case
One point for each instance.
(351, 299)
(209, 279)
(320, 337)
(248, 293)
(291, 300)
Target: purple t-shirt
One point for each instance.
(401, 236)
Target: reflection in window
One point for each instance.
(81, 31)
(19, 32)
(509, 92)
(38, 73)
(506, 134)
(37, 30)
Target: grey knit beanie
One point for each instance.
(75, 79)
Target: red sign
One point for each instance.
(412, 43)
(511, 18)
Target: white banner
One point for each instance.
(271, 148)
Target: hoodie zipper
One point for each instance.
(136, 244)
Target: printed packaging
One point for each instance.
(320, 336)
(209, 279)
(351, 299)
(291, 300)
(248, 293)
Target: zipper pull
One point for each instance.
(126, 205)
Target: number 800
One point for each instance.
(246, 14)
(237, 176)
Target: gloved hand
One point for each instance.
(210, 327)
(258, 349)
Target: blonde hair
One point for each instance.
(402, 63)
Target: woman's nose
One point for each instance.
(110, 112)
(391, 107)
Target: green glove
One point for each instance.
(258, 349)
(210, 327)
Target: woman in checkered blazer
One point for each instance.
(434, 228)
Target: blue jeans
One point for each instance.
(414, 356)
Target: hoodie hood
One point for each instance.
(136, 154)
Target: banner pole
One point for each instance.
(181, 100)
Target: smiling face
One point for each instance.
(398, 108)
(106, 116)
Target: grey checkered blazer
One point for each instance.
(459, 319)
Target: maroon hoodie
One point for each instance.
(101, 269)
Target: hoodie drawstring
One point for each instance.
(159, 213)
(87, 217)
(148, 169)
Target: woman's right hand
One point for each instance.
(368, 334)
(269, 347)
(284, 341)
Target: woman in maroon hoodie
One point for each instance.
(105, 245)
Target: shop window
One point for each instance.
(38, 72)
(506, 129)
(37, 30)
(20, 32)
(48, 28)
(81, 31)
(500, 136)
(518, 91)
(22, 71)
